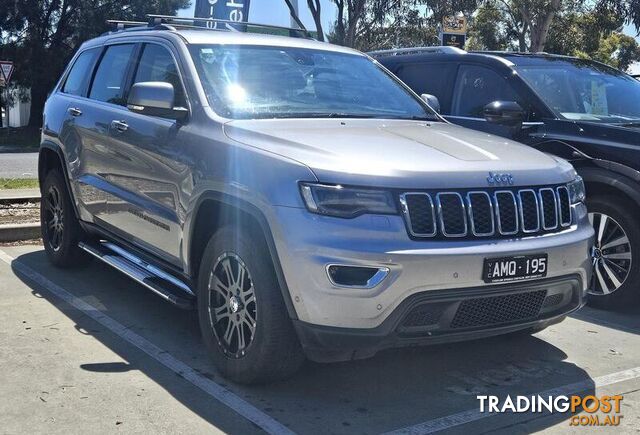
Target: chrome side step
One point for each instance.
(162, 283)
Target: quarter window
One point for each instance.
(476, 87)
(109, 82)
(78, 78)
(157, 65)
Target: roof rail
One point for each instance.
(225, 25)
(417, 50)
(170, 22)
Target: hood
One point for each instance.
(398, 153)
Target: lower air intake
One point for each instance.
(498, 309)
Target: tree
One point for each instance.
(42, 35)
(627, 10)
(366, 24)
(316, 13)
(486, 31)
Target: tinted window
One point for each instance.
(108, 84)
(78, 78)
(157, 65)
(430, 78)
(585, 91)
(290, 82)
(476, 87)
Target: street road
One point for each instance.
(90, 351)
(18, 165)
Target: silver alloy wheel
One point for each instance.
(611, 255)
(232, 305)
(54, 218)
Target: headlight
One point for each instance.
(346, 202)
(576, 190)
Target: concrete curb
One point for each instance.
(17, 232)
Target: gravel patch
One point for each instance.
(19, 213)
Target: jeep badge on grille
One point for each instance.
(499, 179)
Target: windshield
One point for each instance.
(585, 91)
(249, 82)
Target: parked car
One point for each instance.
(583, 111)
(302, 198)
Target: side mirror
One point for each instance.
(507, 113)
(432, 101)
(155, 99)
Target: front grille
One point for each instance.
(507, 212)
(498, 309)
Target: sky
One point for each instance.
(276, 12)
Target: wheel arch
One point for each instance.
(606, 181)
(50, 157)
(214, 210)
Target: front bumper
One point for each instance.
(306, 243)
(449, 315)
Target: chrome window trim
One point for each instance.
(441, 220)
(521, 210)
(555, 202)
(407, 216)
(515, 209)
(471, 217)
(562, 222)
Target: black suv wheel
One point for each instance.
(616, 273)
(243, 319)
(59, 226)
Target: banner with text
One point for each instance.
(229, 10)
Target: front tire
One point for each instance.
(616, 274)
(243, 318)
(59, 226)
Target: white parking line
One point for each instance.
(471, 415)
(226, 397)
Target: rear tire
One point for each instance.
(59, 226)
(616, 275)
(237, 288)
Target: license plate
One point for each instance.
(515, 268)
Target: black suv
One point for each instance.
(577, 109)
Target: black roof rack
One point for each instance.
(416, 50)
(170, 22)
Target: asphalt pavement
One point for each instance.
(87, 350)
(19, 165)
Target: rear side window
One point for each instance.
(430, 78)
(78, 79)
(109, 82)
(157, 65)
(478, 86)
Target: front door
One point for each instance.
(475, 87)
(146, 166)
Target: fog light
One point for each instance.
(356, 276)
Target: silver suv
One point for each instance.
(303, 199)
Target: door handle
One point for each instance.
(74, 111)
(121, 126)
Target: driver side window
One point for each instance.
(476, 87)
(157, 65)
